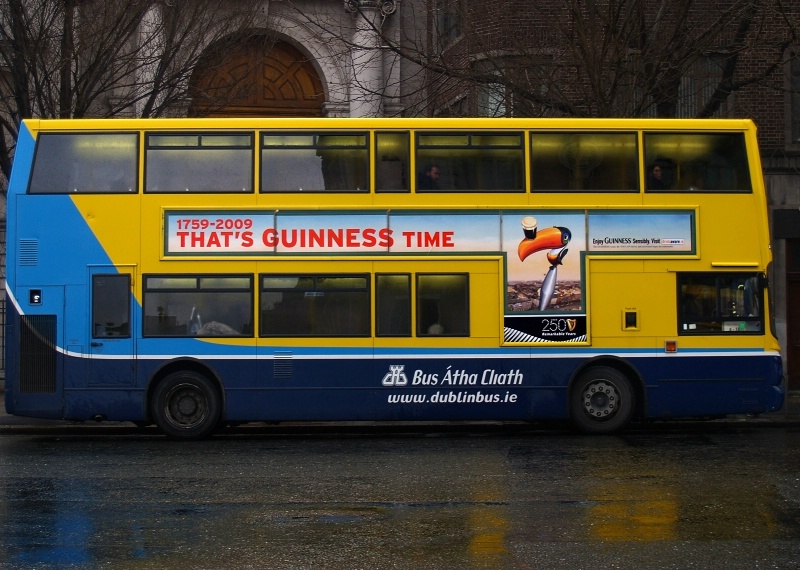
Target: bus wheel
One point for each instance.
(601, 400)
(186, 406)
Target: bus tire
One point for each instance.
(601, 400)
(186, 405)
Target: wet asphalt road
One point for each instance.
(691, 496)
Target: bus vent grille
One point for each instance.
(282, 368)
(29, 252)
(38, 354)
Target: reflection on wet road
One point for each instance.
(650, 499)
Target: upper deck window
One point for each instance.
(470, 162)
(315, 162)
(392, 160)
(584, 162)
(68, 163)
(696, 162)
(199, 162)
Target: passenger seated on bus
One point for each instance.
(655, 178)
(435, 329)
(428, 178)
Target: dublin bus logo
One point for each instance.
(395, 376)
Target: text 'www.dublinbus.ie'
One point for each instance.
(454, 397)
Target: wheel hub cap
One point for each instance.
(186, 406)
(601, 399)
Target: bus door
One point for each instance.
(111, 324)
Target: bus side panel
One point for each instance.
(113, 404)
(314, 390)
(712, 386)
(405, 389)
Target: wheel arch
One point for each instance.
(183, 364)
(624, 367)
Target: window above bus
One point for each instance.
(584, 162)
(315, 162)
(84, 163)
(199, 162)
(696, 162)
(470, 162)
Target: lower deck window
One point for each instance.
(393, 305)
(315, 305)
(714, 303)
(442, 304)
(198, 306)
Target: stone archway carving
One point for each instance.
(257, 78)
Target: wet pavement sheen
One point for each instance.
(725, 496)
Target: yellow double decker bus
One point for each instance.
(194, 273)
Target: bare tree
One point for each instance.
(93, 58)
(632, 58)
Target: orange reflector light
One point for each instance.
(671, 346)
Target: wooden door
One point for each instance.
(257, 78)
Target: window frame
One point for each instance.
(314, 292)
(45, 135)
(198, 277)
(535, 135)
(123, 333)
(199, 146)
(408, 309)
(729, 324)
(421, 163)
(421, 327)
(376, 160)
(316, 134)
(670, 162)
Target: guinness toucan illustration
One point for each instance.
(554, 239)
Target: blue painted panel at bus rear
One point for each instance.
(64, 247)
(18, 184)
(713, 385)
(42, 397)
(113, 405)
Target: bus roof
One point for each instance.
(229, 123)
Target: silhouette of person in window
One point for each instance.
(429, 178)
(655, 179)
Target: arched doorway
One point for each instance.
(256, 78)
